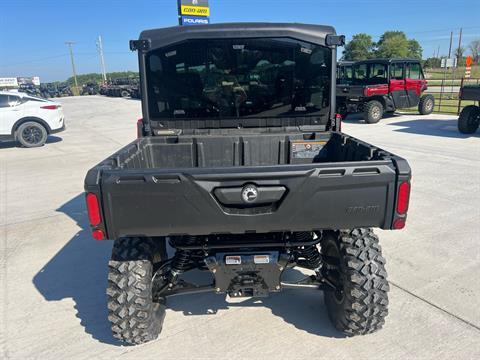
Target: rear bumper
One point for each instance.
(56, 131)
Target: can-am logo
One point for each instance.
(369, 209)
(249, 193)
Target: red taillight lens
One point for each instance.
(399, 224)
(98, 235)
(50, 107)
(93, 208)
(403, 198)
(338, 122)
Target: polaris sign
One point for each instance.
(195, 20)
(193, 12)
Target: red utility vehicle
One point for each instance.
(384, 85)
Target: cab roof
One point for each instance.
(315, 34)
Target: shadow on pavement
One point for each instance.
(79, 271)
(304, 309)
(11, 143)
(432, 127)
(355, 118)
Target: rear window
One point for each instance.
(239, 78)
(414, 71)
(370, 73)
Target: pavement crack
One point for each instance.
(466, 322)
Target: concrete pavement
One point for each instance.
(53, 275)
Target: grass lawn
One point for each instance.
(432, 74)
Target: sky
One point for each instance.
(33, 32)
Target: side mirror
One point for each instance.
(335, 40)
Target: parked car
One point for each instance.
(29, 119)
(469, 118)
(380, 86)
(243, 170)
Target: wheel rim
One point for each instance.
(32, 135)
(429, 105)
(376, 112)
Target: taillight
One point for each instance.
(399, 224)
(98, 235)
(366, 92)
(50, 107)
(338, 121)
(93, 208)
(403, 198)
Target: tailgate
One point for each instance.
(354, 91)
(288, 198)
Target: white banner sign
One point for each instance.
(10, 82)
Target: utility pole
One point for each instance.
(458, 57)
(450, 48)
(179, 5)
(459, 46)
(102, 59)
(70, 43)
(445, 69)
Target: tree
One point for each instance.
(393, 44)
(474, 48)
(432, 63)
(414, 49)
(97, 78)
(459, 52)
(359, 48)
(396, 44)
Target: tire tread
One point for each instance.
(134, 317)
(366, 301)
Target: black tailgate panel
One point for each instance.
(320, 196)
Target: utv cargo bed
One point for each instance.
(161, 186)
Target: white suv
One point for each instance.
(29, 119)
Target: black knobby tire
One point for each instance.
(124, 93)
(134, 316)
(361, 305)
(426, 105)
(373, 112)
(469, 119)
(31, 134)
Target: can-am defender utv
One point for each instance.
(241, 168)
(379, 86)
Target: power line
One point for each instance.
(36, 60)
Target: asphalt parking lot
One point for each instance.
(53, 275)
